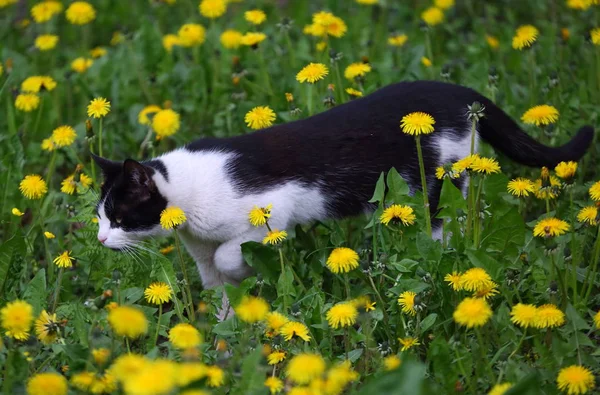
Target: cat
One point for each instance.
(325, 166)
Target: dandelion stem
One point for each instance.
(573, 253)
(309, 98)
(347, 285)
(100, 137)
(127, 344)
(346, 341)
(592, 275)
(291, 51)
(57, 290)
(38, 117)
(7, 382)
(190, 305)
(157, 324)
(483, 355)
(263, 67)
(386, 320)
(424, 186)
(285, 296)
(518, 345)
(476, 216)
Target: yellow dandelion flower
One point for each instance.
(98, 107)
(63, 136)
(408, 343)
(128, 321)
(158, 293)
(81, 65)
(33, 187)
(500, 389)
(475, 279)
(275, 321)
(465, 163)
(191, 35)
(520, 187)
(303, 368)
(293, 329)
(329, 24)
(446, 171)
(432, 16)
(47, 327)
(367, 2)
(397, 213)
(46, 42)
(36, 83)
(595, 36)
(342, 315)
(575, 379)
(190, 372)
(580, 5)
(550, 190)
(256, 17)
(184, 336)
(156, 377)
(27, 102)
(68, 185)
(550, 227)
(353, 92)
(597, 320)
(64, 260)
(312, 73)
(275, 236)
(15, 211)
(524, 37)
(80, 13)
(127, 365)
(45, 10)
(355, 70)
(364, 303)
(171, 217)
(117, 38)
(492, 41)
(588, 215)
(48, 383)
(275, 357)
(417, 123)
(274, 384)
(487, 292)
(16, 318)
(165, 123)
(215, 375)
(169, 41)
(259, 216)
(212, 9)
(252, 39)
(342, 260)
(548, 316)
(98, 52)
(472, 312)
(485, 165)
(397, 40)
(231, 39)
(260, 117)
(314, 29)
(523, 315)
(594, 191)
(338, 377)
(542, 115)
(252, 309)
(566, 170)
(48, 145)
(406, 300)
(100, 355)
(143, 118)
(444, 4)
(391, 362)
(289, 97)
(454, 280)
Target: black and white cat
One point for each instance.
(325, 166)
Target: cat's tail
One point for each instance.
(499, 130)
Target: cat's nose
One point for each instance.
(102, 239)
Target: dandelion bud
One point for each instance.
(475, 111)
(289, 97)
(167, 104)
(116, 276)
(329, 101)
(9, 65)
(493, 76)
(445, 72)
(89, 130)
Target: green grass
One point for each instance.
(212, 88)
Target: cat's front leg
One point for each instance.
(228, 257)
(203, 253)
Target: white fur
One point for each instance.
(217, 214)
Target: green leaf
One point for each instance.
(451, 200)
(354, 355)
(252, 372)
(132, 295)
(428, 248)
(262, 258)
(79, 324)
(36, 293)
(9, 252)
(398, 188)
(575, 319)
(428, 322)
(235, 294)
(379, 193)
(226, 328)
(409, 378)
(285, 285)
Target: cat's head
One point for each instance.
(130, 203)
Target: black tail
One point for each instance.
(499, 130)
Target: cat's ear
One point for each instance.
(139, 177)
(109, 168)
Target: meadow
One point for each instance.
(506, 303)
